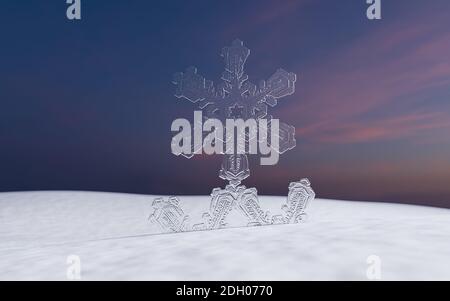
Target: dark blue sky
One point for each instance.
(87, 105)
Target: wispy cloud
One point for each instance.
(387, 67)
(392, 128)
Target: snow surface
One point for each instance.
(110, 234)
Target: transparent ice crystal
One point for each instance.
(168, 215)
(300, 195)
(235, 97)
(171, 218)
(224, 200)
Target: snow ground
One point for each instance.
(109, 233)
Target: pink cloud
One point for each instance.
(383, 129)
(386, 67)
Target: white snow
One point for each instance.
(110, 234)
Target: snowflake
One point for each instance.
(235, 94)
(236, 97)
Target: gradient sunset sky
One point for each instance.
(87, 105)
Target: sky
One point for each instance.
(88, 104)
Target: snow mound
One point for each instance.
(110, 234)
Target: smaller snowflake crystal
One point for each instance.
(168, 215)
